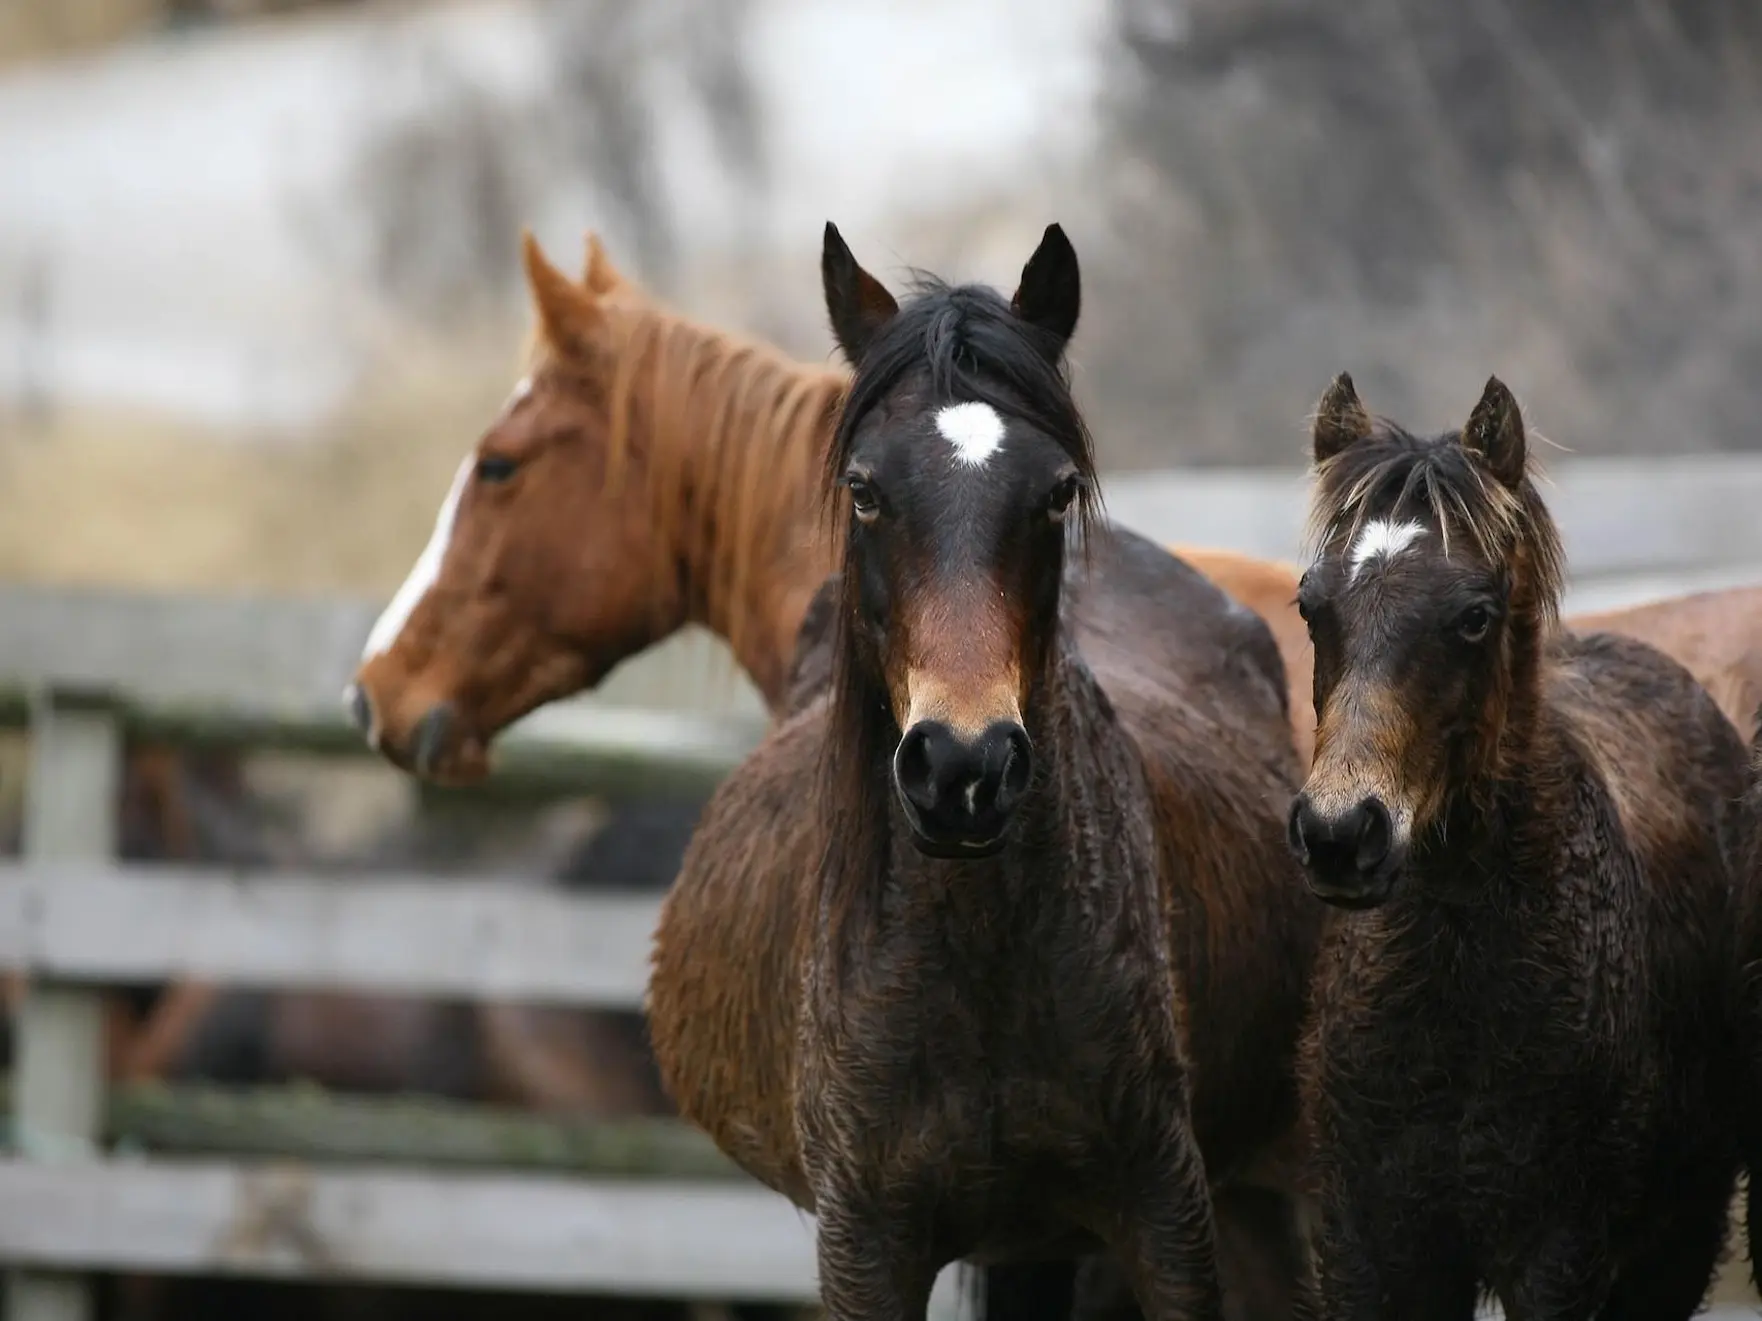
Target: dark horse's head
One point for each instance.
(1436, 580)
(965, 463)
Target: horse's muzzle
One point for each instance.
(960, 793)
(1351, 858)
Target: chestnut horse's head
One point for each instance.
(1437, 579)
(617, 496)
(965, 462)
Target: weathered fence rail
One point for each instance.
(264, 1185)
(308, 1123)
(520, 1232)
(459, 938)
(315, 1187)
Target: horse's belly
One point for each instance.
(722, 1012)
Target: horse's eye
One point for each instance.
(1473, 623)
(494, 468)
(1063, 496)
(863, 500)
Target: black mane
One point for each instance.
(971, 346)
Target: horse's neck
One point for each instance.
(1495, 841)
(1080, 735)
(751, 546)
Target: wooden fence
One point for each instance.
(302, 1187)
(344, 1190)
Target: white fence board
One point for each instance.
(463, 938)
(287, 659)
(669, 1239)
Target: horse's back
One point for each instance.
(1147, 620)
(1671, 758)
(1716, 635)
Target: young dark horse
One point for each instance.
(1517, 1077)
(943, 948)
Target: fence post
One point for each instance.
(71, 803)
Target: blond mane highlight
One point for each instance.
(1391, 469)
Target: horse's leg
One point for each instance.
(1361, 1276)
(1027, 1291)
(1261, 1255)
(1670, 1280)
(1753, 1221)
(1752, 1153)
(1169, 1247)
(1104, 1291)
(870, 1268)
(1567, 1278)
(1262, 1262)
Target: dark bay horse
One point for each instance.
(947, 948)
(1519, 1074)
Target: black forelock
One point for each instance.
(970, 345)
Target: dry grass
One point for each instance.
(133, 501)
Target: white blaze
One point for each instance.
(1381, 539)
(974, 429)
(427, 569)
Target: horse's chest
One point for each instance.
(1477, 1096)
(975, 1080)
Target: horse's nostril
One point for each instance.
(1018, 766)
(963, 787)
(428, 741)
(914, 769)
(1301, 827)
(359, 706)
(1359, 840)
(1375, 834)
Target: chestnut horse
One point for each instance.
(1057, 741)
(1519, 1077)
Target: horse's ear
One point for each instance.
(1051, 292)
(1340, 420)
(565, 313)
(1494, 434)
(857, 303)
(599, 275)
